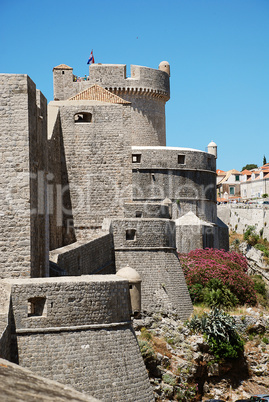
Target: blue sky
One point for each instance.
(218, 51)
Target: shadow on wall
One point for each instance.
(62, 231)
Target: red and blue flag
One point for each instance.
(91, 58)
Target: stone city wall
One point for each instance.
(143, 233)
(76, 330)
(98, 161)
(23, 225)
(96, 256)
(163, 286)
(238, 217)
(148, 246)
(146, 210)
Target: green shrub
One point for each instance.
(225, 349)
(218, 295)
(259, 285)
(196, 292)
(250, 236)
(186, 392)
(147, 352)
(168, 379)
(262, 248)
(219, 330)
(145, 334)
(265, 340)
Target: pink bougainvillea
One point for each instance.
(199, 266)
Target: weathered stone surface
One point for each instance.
(19, 384)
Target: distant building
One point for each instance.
(255, 183)
(228, 185)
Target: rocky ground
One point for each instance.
(181, 365)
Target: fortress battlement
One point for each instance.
(143, 80)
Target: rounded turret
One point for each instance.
(212, 148)
(165, 66)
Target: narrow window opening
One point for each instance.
(130, 286)
(209, 163)
(181, 159)
(130, 234)
(36, 306)
(136, 158)
(83, 118)
(62, 72)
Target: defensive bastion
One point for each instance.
(87, 191)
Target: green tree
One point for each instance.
(250, 166)
(264, 160)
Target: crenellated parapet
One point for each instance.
(143, 80)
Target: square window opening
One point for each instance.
(83, 117)
(37, 307)
(136, 158)
(138, 214)
(130, 234)
(181, 159)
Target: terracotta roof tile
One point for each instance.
(97, 93)
(62, 67)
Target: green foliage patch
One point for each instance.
(219, 330)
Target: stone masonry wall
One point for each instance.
(105, 363)
(163, 285)
(238, 217)
(92, 257)
(19, 255)
(147, 89)
(148, 119)
(148, 233)
(157, 174)
(98, 161)
(151, 252)
(82, 337)
(147, 210)
(112, 77)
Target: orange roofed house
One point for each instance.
(228, 185)
(255, 183)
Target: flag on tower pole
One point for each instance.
(91, 58)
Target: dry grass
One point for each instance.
(234, 236)
(160, 346)
(240, 310)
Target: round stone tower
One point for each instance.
(147, 89)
